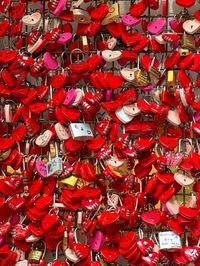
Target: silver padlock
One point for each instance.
(55, 164)
(81, 131)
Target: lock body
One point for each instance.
(188, 42)
(171, 80)
(81, 131)
(112, 15)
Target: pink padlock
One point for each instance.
(95, 242)
(147, 88)
(50, 61)
(59, 8)
(70, 97)
(156, 26)
(129, 20)
(64, 38)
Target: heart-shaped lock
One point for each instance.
(49, 221)
(43, 202)
(70, 97)
(50, 61)
(183, 179)
(61, 131)
(32, 20)
(17, 11)
(64, 38)
(145, 246)
(111, 56)
(191, 253)
(191, 26)
(112, 42)
(110, 254)
(43, 139)
(128, 74)
(137, 9)
(95, 242)
(172, 206)
(41, 168)
(100, 12)
(156, 26)
(151, 218)
(129, 20)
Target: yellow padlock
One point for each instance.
(70, 181)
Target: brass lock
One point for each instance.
(188, 42)
(171, 80)
(70, 181)
(5, 155)
(184, 52)
(155, 72)
(35, 256)
(112, 15)
(141, 78)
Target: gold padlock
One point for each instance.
(35, 256)
(184, 52)
(171, 80)
(141, 78)
(5, 155)
(70, 181)
(37, 252)
(112, 15)
(155, 72)
(188, 42)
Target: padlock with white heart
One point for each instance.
(43, 139)
(128, 73)
(81, 131)
(111, 56)
(61, 131)
(32, 20)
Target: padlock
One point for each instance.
(171, 80)
(81, 131)
(8, 113)
(55, 165)
(81, 16)
(112, 15)
(141, 78)
(184, 52)
(71, 181)
(85, 45)
(37, 253)
(153, 70)
(122, 116)
(188, 42)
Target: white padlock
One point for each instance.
(81, 131)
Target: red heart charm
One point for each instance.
(4, 26)
(99, 12)
(17, 11)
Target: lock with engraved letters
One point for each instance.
(171, 80)
(55, 164)
(37, 253)
(112, 15)
(81, 131)
(154, 71)
(141, 78)
(188, 42)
